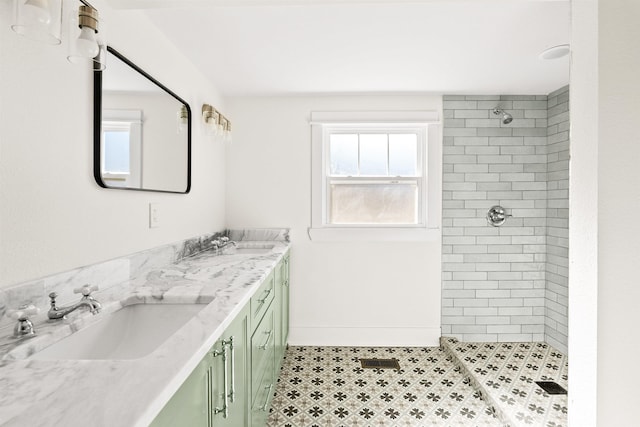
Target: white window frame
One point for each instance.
(129, 121)
(428, 227)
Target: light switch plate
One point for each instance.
(154, 215)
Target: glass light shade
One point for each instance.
(210, 124)
(227, 133)
(100, 60)
(183, 118)
(39, 20)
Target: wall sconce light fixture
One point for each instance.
(42, 20)
(183, 118)
(210, 118)
(216, 124)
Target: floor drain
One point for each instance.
(551, 387)
(380, 363)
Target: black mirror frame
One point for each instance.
(97, 125)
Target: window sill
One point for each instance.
(362, 234)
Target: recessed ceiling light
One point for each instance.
(555, 52)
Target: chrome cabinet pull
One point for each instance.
(263, 300)
(232, 393)
(264, 346)
(266, 401)
(225, 406)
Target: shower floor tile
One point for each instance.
(327, 387)
(506, 375)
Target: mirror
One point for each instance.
(142, 131)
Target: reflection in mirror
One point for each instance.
(142, 131)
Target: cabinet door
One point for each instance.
(281, 309)
(285, 300)
(229, 360)
(277, 312)
(190, 405)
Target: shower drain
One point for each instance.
(551, 387)
(380, 363)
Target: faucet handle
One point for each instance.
(24, 327)
(85, 290)
(23, 312)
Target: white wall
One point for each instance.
(618, 207)
(605, 201)
(53, 216)
(341, 293)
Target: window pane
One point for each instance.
(343, 152)
(373, 203)
(403, 154)
(373, 154)
(116, 151)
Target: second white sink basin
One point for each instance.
(129, 333)
(254, 249)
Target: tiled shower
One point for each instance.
(507, 283)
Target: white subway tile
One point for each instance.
(515, 311)
(506, 302)
(493, 293)
(493, 320)
(468, 329)
(471, 302)
(469, 168)
(462, 275)
(515, 257)
(482, 123)
(471, 140)
(504, 329)
(514, 338)
(480, 311)
(480, 284)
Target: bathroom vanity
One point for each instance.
(218, 368)
(233, 384)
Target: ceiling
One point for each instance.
(266, 47)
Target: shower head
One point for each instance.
(506, 117)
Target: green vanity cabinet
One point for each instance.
(234, 383)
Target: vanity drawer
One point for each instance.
(262, 395)
(261, 300)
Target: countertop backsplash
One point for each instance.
(110, 273)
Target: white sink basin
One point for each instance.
(129, 333)
(254, 249)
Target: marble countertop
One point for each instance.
(131, 392)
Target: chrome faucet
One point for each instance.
(222, 242)
(86, 301)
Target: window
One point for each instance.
(372, 178)
(121, 148)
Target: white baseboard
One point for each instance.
(365, 337)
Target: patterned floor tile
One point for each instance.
(506, 374)
(327, 387)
